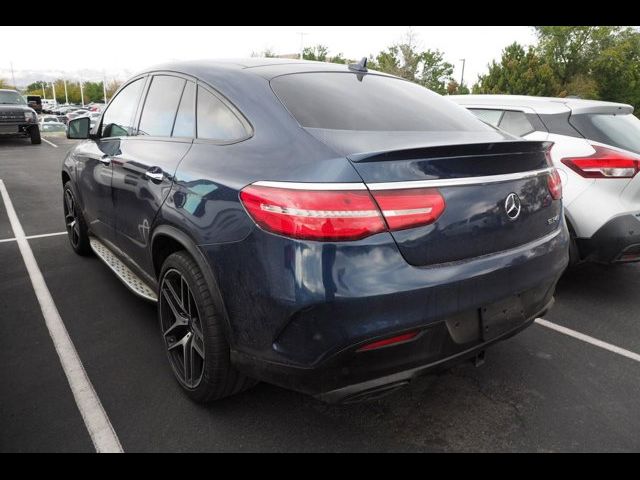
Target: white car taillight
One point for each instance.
(605, 163)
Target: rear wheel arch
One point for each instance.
(65, 177)
(167, 240)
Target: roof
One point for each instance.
(544, 105)
(267, 68)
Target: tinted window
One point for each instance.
(516, 123)
(346, 101)
(215, 120)
(118, 118)
(621, 131)
(492, 117)
(185, 125)
(161, 106)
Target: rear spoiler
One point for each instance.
(456, 150)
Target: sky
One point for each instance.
(119, 52)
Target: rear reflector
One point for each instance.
(605, 163)
(339, 214)
(405, 337)
(555, 184)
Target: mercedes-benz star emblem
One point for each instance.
(512, 206)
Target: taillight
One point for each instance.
(313, 214)
(339, 214)
(604, 163)
(555, 184)
(405, 337)
(409, 208)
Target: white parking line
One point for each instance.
(29, 237)
(50, 143)
(100, 430)
(588, 339)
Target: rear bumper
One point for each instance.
(299, 311)
(617, 241)
(353, 376)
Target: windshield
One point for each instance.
(11, 98)
(622, 131)
(346, 101)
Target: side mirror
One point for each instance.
(79, 128)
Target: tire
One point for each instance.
(34, 133)
(77, 230)
(212, 377)
(574, 253)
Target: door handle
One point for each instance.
(154, 174)
(105, 160)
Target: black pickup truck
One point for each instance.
(17, 118)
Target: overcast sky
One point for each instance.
(49, 53)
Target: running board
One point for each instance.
(124, 273)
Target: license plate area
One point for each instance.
(8, 129)
(500, 317)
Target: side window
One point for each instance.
(516, 123)
(118, 118)
(492, 117)
(215, 120)
(161, 105)
(185, 125)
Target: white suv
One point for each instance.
(597, 152)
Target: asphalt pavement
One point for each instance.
(542, 390)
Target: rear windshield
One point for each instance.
(348, 101)
(622, 131)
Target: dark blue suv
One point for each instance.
(321, 227)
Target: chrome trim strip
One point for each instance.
(312, 186)
(455, 182)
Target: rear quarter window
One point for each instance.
(370, 102)
(515, 123)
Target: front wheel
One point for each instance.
(192, 333)
(34, 133)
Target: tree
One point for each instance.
(317, 53)
(426, 68)
(266, 53)
(570, 50)
(616, 71)
(112, 87)
(5, 84)
(519, 72)
(453, 88)
(320, 53)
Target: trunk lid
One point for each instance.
(480, 183)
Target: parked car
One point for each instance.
(16, 117)
(35, 102)
(302, 223)
(597, 152)
(75, 112)
(48, 105)
(94, 117)
(48, 118)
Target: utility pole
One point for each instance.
(44, 95)
(302, 34)
(66, 97)
(81, 91)
(462, 76)
(53, 89)
(104, 87)
(13, 76)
